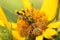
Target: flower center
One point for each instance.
(31, 23)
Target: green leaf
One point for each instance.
(4, 33)
(11, 16)
(58, 37)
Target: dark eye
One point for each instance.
(19, 13)
(23, 11)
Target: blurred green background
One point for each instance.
(9, 7)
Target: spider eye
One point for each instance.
(19, 13)
(23, 11)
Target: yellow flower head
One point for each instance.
(34, 22)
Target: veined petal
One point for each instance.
(49, 33)
(27, 4)
(49, 7)
(3, 18)
(39, 38)
(54, 25)
(15, 33)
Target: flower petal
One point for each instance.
(49, 33)
(3, 18)
(39, 38)
(54, 25)
(17, 36)
(14, 25)
(15, 33)
(1, 23)
(27, 4)
(49, 7)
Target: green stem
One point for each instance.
(57, 16)
(30, 38)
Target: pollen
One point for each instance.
(33, 25)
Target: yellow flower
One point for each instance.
(49, 7)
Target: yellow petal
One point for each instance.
(27, 4)
(39, 38)
(49, 33)
(1, 38)
(15, 33)
(3, 18)
(54, 25)
(49, 7)
(1, 23)
(14, 25)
